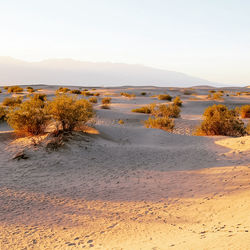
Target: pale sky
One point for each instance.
(209, 39)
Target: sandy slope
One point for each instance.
(128, 187)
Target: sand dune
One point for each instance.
(128, 187)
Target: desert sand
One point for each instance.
(124, 186)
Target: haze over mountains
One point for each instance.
(72, 72)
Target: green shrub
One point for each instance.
(164, 123)
(70, 112)
(93, 99)
(15, 89)
(219, 120)
(12, 101)
(245, 111)
(29, 117)
(106, 100)
(165, 97)
(178, 101)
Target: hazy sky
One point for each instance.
(204, 38)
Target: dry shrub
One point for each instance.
(96, 94)
(187, 92)
(12, 101)
(219, 120)
(163, 110)
(121, 122)
(93, 99)
(127, 95)
(248, 128)
(42, 97)
(30, 89)
(212, 91)
(70, 112)
(29, 117)
(164, 123)
(87, 93)
(63, 90)
(145, 109)
(245, 111)
(0, 91)
(178, 101)
(105, 106)
(143, 93)
(165, 97)
(106, 100)
(217, 96)
(75, 91)
(15, 89)
(2, 113)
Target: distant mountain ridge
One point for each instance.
(73, 72)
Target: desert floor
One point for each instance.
(124, 186)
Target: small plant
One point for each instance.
(245, 111)
(217, 96)
(145, 109)
(63, 90)
(30, 89)
(2, 113)
(127, 95)
(121, 122)
(87, 93)
(75, 91)
(143, 93)
(248, 128)
(5, 87)
(29, 117)
(105, 106)
(70, 112)
(219, 120)
(93, 89)
(93, 99)
(96, 94)
(15, 89)
(178, 101)
(0, 91)
(163, 110)
(164, 123)
(12, 101)
(106, 100)
(212, 91)
(165, 97)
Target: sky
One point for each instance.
(209, 39)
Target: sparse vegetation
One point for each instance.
(70, 112)
(248, 128)
(12, 101)
(245, 111)
(165, 97)
(145, 109)
(127, 95)
(15, 89)
(178, 101)
(219, 120)
(75, 91)
(63, 90)
(163, 110)
(164, 123)
(30, 89)
(2, 113)
(87, 93)
(42, 97)
(96, 94)
(93, 99)
(28, 117)
(106, 100)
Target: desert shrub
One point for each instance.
(143, 93)
(212, 91)
(30, 89)
(96, 94)
(15, 89)
(187, 92)
(106, 100)
(94, 89)
(248, 128)
(178, 101)
(12, 101)
(2, 113)
(75, 91)
(145, 109)
(70, 112)
(63, 90)
(29, 117)
(0, 91)
(164, 123)
(127, 95)
(121, 122)
(93, 99)
(217, 96)
(105, 106)
(87, 93)
(163, 110)
(42, 97)
(5, 87)
(245, 111)
(219, 120)
(165, 97)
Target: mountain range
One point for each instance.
(73, 72)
